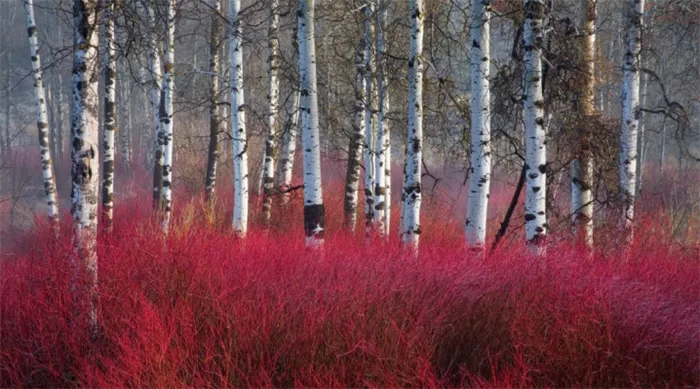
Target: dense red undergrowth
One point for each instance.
(202, 309)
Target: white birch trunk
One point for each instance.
(60, 119)
(480, 174)
(382, 194)
(85, 171)
(289, 141)
(167, 117)
(413, 167)
(42, 117)
(110, 96)
(272, 111)
(8, 98)
(641, 138)
(311, 142)
(288, 149)
(355, 150)
(240, 138)
(662, 157)
(154, 67)
(370, 118)
(125, 119)
(630, 121)
(535, 145)
(214, 110)
(582, 167)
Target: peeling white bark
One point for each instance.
(240, 138)
(413, 168)
(480, 174)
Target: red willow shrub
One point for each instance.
(202, 309)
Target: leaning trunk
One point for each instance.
(85, 171)
(480, 174)
(110, 95)
(240, 139)
(166, 120)
(313, 196)
(412, 174)
(535, 149)
(42, 117)
(630, 121)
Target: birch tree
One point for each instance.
(166, 120)
(288, 149)
(355, 148)
(480, 173)
(370, 117)
(240, 138)
(154, 67)
(110, 96)
(85, 171)
(582, 167)
(214, 117)
(535, 144)
(382, 191)
(42, 121)
(313, 195)
(273, 64)
(412, 169)
(630, 121)
(124, 121)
